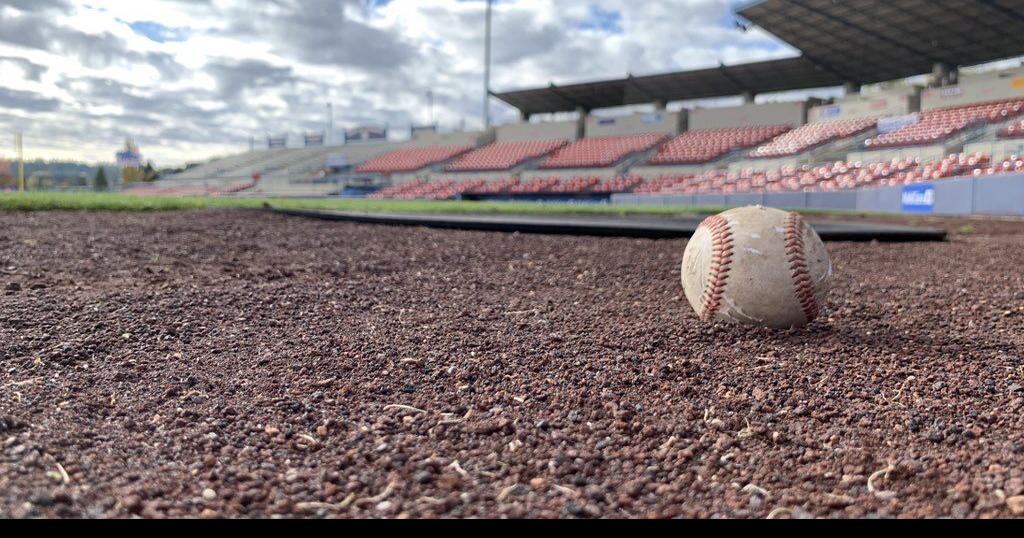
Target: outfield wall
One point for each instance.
(990, 195)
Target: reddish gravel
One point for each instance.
(223, 363)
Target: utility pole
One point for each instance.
(329, 135)
(487, 67)
(430, 106)
(21, 161)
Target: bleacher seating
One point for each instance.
(411, 159)
(939, 124)
(494, 186)
(837, 175)
(600, 151)
(504, 155)
(447, 188)
(811, 135)
(830, 176)
(704, 145)
(1014, 130)
(1013, 164)
(619, 184)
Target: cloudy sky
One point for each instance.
(190, 79)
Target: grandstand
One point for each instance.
(952, 122)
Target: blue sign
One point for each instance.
(831, 111)
(651, 118)
(919, 198)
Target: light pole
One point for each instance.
(21, 161)
(329, 135)
(487, 67)
(430, 107)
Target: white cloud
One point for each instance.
(188, 79)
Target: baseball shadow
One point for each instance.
(881, 339)
(886, 339)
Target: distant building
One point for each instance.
(129, 160)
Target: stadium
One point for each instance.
(490, 324)
(958, 136)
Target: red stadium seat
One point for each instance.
(411, 159)
(1014, 130)
(811, 135)
(704, 145)
(601, 151)
(504, 155)
(939, 124)
(830, 176)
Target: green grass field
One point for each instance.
(89, 201)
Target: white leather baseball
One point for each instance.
(757, 266)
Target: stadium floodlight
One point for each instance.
(487, 66)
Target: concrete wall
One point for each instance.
(466, 138)
(549, 130)
(891, 103)
(991, 195)
(648, 122)
(792, 113)
(977, 88)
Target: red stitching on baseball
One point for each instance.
(802, 284)
(718, 272)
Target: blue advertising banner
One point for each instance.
(919, 198)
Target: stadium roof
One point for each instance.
(874, 40)
(856, 41)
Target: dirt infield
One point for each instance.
(226, 363)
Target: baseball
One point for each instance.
(757, 266)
